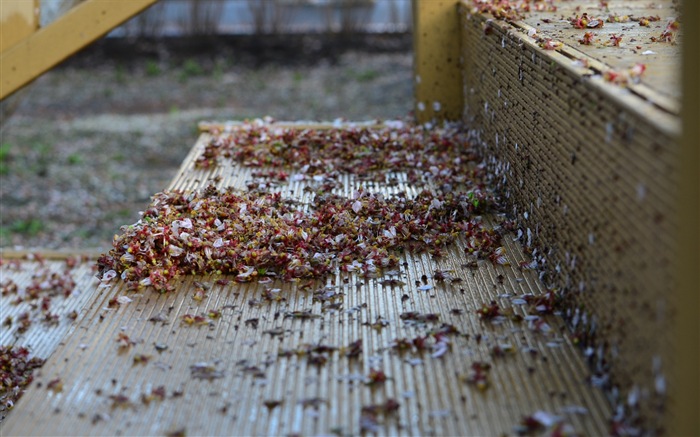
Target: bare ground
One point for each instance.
(92, 140)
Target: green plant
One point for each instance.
(4, 235)
(152, 68)
(78, 233)
(42, 149)
(74, 159)
(258, 83)
(118, 214)
(367, 75)
(190, 69)
(29, 227)
(472, 198)
(218, 71)
(120, 74)
(43, 158)
(4, 158)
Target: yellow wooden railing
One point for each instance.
(28, 51)
(687, 376)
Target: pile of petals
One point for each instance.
(511, 10)
(16, 369)
(254, 235)
(437, 155)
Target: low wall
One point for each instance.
(588, 168)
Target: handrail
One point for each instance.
(45, 48)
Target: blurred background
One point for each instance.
(84, 147)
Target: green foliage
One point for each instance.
(42, 158)
(120, 74)
(29, 227)
(366, 75)
(4, 236)
(118, 215)
(190, 69)
(152, 68)
(472, 198)
(258, 83)
(5, 158)
(42, 149)
(218, 71)
(74, 159)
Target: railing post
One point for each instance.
(684, 419)
(19, 19)
(44, 48)
(437, 66)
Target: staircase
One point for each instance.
(583, 321)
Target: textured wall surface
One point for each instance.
(589, 171)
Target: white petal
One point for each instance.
(109, 275)
(174, 250)
(546, 419)
(357, 206)
(124, 300)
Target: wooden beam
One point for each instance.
(685, 383)
(437, 67)
(19, 18)
(47, 47)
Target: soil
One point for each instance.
(89, 142)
